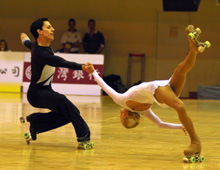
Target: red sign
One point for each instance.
(66, 76)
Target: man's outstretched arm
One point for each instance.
(26, 40)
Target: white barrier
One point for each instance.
(11, 71)
(65, 81)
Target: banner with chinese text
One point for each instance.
(11, 67)
(69, 81)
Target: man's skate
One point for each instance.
(194, 34)
(27, 135)
(192, 154)
(85, 145)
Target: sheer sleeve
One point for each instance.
(156, 120)
(111, 92)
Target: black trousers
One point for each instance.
(62, 112)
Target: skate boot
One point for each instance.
(30, 134)
(194, 35)
(27, 135)
(192, 154)
(84, 142)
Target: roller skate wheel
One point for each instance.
(190, 28)
(201, 49)
(92, 144)
(22, 120)
(191, 35)
(86, 146)
(202, 159)
(186, 160)
(26, 135)
(198, 30)
(193, 159)
(208, 44)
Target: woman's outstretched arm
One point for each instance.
(156, 120)
(111, 92)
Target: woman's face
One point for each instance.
(2, 46)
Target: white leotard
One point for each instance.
(142, 93)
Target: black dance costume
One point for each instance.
(41, 95)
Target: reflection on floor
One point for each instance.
(116, 148)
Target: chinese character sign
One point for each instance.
(67, 81)
(78, 74)
(62, 73)
(69, 76)
(11, 67)
(66, 76)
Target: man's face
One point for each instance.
(91, 25)
(71, 25)
(47, 31)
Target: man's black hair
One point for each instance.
(38, 24)
(91, 20)
(72, 20)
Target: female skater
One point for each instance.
(139, 99)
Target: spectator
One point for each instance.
(93, 41)
(72, 37)
(3, 46)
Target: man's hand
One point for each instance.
(23, 36)
(88, 67)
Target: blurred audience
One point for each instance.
(66, 48)
(3, 46)
(93, 41)
(72, 37)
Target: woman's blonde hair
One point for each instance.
(130, 122)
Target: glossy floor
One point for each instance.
(146, 147)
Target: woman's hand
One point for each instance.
(185, 131)
(88, 67)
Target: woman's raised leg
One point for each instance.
(178, 79)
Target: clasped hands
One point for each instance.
(88, 67)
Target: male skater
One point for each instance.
(41, 95)
(139, 99)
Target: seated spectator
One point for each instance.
(93, 41)
(66, 48)
(72, 37)
(3, 46)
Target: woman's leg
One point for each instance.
(178, 79)
(167, 96)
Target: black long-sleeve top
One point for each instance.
(43, 63)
